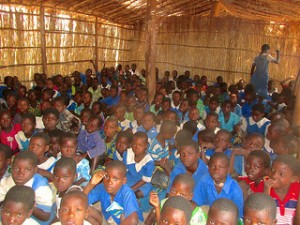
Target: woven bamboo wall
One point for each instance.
(223, 46)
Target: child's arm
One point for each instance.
(138, 185)
(132, 219)
(96, 179)
(154, 201)
(46, 174)
(40, 214)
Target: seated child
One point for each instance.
(221, 144)
(206, 140)
(74, 209)
(64, 177)
(257, 166)
(5, 160)
(50, 119)
(183, 185)
(256, 123)
(118, 202)
(24, 172)
(120, 111)
(109, 135)
(39, 145)
(138, 115)
(28, 123)
(190, 162)
(158, 148)
(18, 206)
(223, 211)
(194, 116)
(90, 142)
(67, 121)
(286, 144)
(183, 112)
(68, 147)
(176, 210)
(8, 131)
(228, 120)
(130, 106)
(157, 102)
(212, 122)
(213, 106)
(85, 115)
(192, 127)
(218, 184)
(260, 208)
(149, 126)
(123, 142)
(283, 186)
(22, 108)
(54, 148)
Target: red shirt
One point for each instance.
(253, 186)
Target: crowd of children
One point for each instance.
(200, 153)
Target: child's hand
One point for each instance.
(154, 200)
(268, 184)
(97, 177)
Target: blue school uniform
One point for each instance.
(200, 172)
(182, 117)
(234, 120)
(152, 133)
(91, 143)
(210, 152)
(157, 151)
(257, 127)
(124, 203)
(117, 156)
(205, 192)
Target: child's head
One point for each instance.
(47, 94)
(222, 139)
(148, 120)
(171, 115)
(184, 105)
(181, 137)
(59, 103)
(139, 143)
(50, 118)
(115, 177)
(28, 123)
(54, 147)
(254, 141)
(24, 167)
(85, 115)
(120, 112)
(276, 129)
(213, 103)
(176, 210)
(87, 99)
(138, 113)
(257, 165)
(18, 205)
(258, 112)
(206, 138)
(284, 171)
(123, 141)
(23, 105)
(191, 126)
(183, 185)
(223, 211)
(168, 129)
(265, 48)
(158, 99)
(68, 145)
(73, 208)
(194, 114)
(286, 144)
(111, 127)
(5, 119)
(39, 144)
(212, 121)
(260, 208)
(94, 124)
(12, 100)
(226, 107)
(96, 107)
(218, 167)
(131, 103)
(166, 105)
(64, 173)
(189, 153)
(143, 95)
(5, 156)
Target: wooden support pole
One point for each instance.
(43, 39)
(150, 54)
(96, 45)
(296, 117)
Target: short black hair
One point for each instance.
(51, 110)
(259, 202)
(117, 165)
(140, 134)
(67, 135)
(207, 135)
(168, 126)
(43, 136)
(180, 203)
(289, 161)
(60, 99)
(27, 155)
(265, 157)
(186, 179)
(259, 108)
(223, 131)
(224, 204)
(76, 193)
(191, 143)
(65, 162)
(29, 116)
(291, 142)
(219, 155)
(191, 126)
(96, 117)
(56, 133)
(265, 47)
(126, 134)
(255, 135)
(182, 136)
(6, 150)
(21, 194)
(213, 114)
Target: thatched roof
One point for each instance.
(135, 11)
